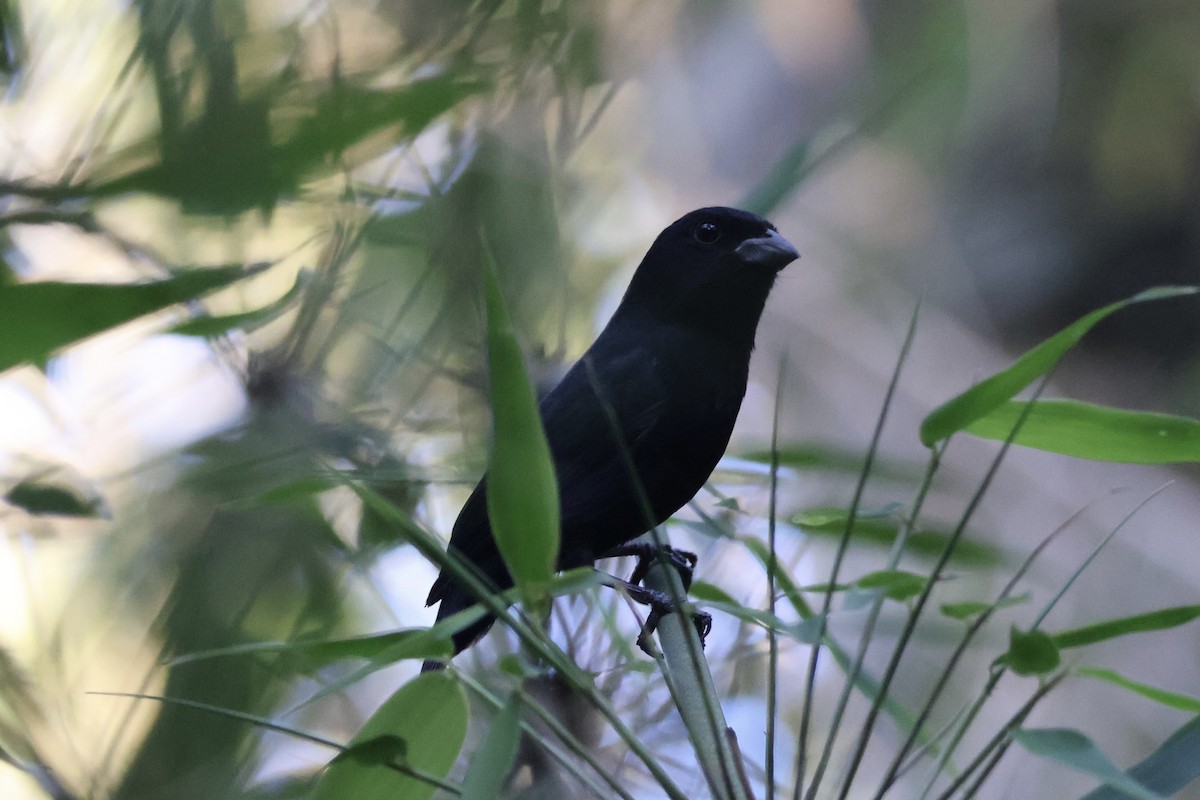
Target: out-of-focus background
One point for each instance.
(1013, 164)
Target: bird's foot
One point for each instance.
(646, 553)
(660, 603)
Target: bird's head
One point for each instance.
(712, 267)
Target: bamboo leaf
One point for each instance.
(981, 399)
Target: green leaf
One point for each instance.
(422, 726)
(43, 317)
(1077, 751)
(1095, 432)
(1030, 653)
(970, 608)
(1141, 623)
(984, 397)
(42, 498)
(522, 492)
(895, 584)
(1182, 702)
(828, 519)
(1168, 769)
(211, 327)
(492, 762)
(881, 528)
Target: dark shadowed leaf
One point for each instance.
(33, 312)
(1077, 751)
(1167, 770)
(1030, 653)
(44, 498)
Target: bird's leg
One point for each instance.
(660, 603)
(646, 552)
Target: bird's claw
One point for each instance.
(646, 553)
(660, 603)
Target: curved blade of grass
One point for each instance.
(984, 397)
(522, 491)
(1182, 702)
(1139, 623)
(1077, 751)
(423, 724)
(51, 315)
(213, 326)
(1098, 433)
(1168, 769)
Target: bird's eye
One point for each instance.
(706, 233)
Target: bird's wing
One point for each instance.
(592, 471)
(583, 426)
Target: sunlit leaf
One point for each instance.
(1182, 702)
(984, 397)
(1139, 623)
(1077, 751)
(422, 726)
(1095, 432)
(522, 492)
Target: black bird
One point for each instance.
(671, 365)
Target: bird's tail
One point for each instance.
(455, 598)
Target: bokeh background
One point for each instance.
(1013, 165)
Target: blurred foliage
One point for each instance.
(370, 148)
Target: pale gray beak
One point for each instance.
(771, 251)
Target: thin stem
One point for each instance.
(772, 636)
(577, 748)
(919, 606)
(827, 602)
(995, 749)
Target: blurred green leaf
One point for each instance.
(43, 317)
(984, 397)
(1168, 769)
(489, 766)
(210, 327)
(834, 519)
(879, 528)
(1030, 653)
(1182, 702)
(1140, 623)
(831, 459)
(970, 608)
(895, 584)
(1095, 432)
(1077, 751)
(522, 492)
(422, 725)
(43, 498)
